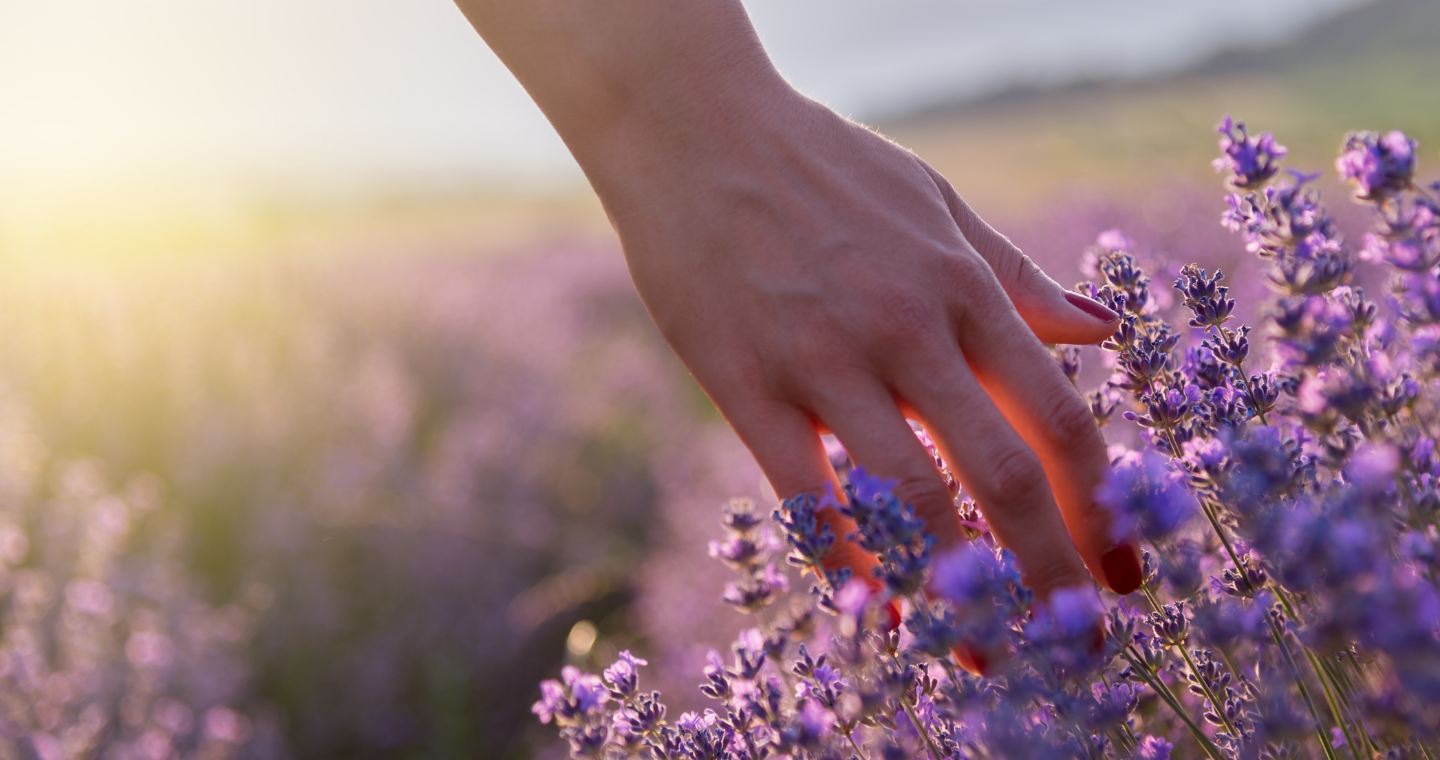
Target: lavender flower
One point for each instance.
(1153, 748)
(1250, 160)
(107, 651)
(1378, 165)
(623, 676)
(1298, 618)
(1407, 237)
(1145, 494)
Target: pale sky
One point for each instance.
(370, 91)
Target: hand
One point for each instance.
(816, 277)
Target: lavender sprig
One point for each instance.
(1298, 619)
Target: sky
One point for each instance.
(357, 93)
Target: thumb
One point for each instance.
(1054, 314)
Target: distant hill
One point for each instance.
(1382, 27)
(1373, 67)
(1385, 28)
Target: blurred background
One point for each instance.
(329, 421)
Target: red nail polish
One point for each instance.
(1121, 566)
(1093, 308)
(981, 663)
(892, 615)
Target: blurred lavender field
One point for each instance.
(362, 501)
(356, 505)
(362, 505)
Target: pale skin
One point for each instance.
(816, 277)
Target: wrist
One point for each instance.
(685, 119)
(644, 89)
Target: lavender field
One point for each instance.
(359, 500)
(1298, 619)
(354, 509)
(356, 506)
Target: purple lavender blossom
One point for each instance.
(1153, 748)
(973, 574)
(889, 528)
(1408, 236)
(814, 722)
(588, 691)
(1144, 494)
(1288, 222)
(1250, 160)
(1318, 479)
(623, 676)
(852, 598)
(1114, 703)
(1379, 166)
(1113, 241)
(551, 702)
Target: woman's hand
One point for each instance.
(816, 277)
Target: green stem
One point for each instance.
(1153, 681)
(1320, 732)
(1209, 510)
(1215, 703)
(1170, 440)
(1328, 681)
(924, 732)
(1229, 663)
(910, 711)
(1335, 710)
(1151, 598)
(1206, 507)
(850, 737)
(1120, 740)
(1250, 393)
(1343, 689)
(769, 631)
(1134, 740)
(1128, 735)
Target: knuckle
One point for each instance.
(847, 554)
(1069, 426)
(832, 389)
(813, 356)
(963, 271)
(925, 492)
(1015, 477)
(1022, 269)
(982, 299)
(935, 378)
(813, 349)
(743, 377)
(1054, 570)
(903, 315)
(792, 488)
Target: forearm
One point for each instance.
(810, 272)
(622, 79)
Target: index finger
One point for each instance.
(1033, 393)
(787, 446)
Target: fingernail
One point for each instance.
(979, 662)
(1092, 307)
(1121, 566)
(892, 615)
